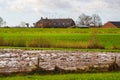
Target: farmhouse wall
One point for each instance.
(12, 61)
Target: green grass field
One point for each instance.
(59, 38)
(84, 76)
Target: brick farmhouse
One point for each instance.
(54, 23)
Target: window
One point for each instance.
(63, 24)
(59, 23)
(54, 24)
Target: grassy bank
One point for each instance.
(84, 76)
(60, 38)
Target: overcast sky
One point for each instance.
(16, 11)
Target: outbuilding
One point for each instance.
(112, 24)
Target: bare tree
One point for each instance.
(2, 22)
(27, 24)
(24, 24)
(85, 20)
(96, 20)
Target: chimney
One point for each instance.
(46, 18)
(41, 18)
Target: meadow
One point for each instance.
(81, 76)
(75, 38)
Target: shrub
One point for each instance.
(42, 42)
(95, 46)
(114, 66)
(93, 42)
(16, 42)
(114, 47)
(2, 41)
(68, 44)
(20, 42)
(9, 42)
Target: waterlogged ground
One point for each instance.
(12, 60)
(84, 76)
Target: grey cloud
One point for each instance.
(62, 4)
(113, 3)
(57, 4)
(72, 8)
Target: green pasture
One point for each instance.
(83, 76)
(77, 38)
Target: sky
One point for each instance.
(16, 11)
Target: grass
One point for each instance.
(63, 49)
(84, 76)
(60, 38)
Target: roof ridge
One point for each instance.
(114, 21)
